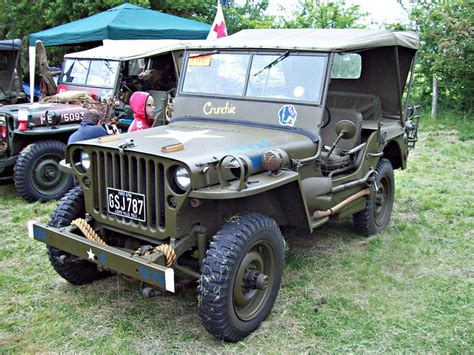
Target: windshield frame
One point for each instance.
(91, 60)
(284, 53)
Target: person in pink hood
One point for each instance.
(143, 105)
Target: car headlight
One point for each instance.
(182, 178)
(85, 160)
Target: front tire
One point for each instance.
(69, 267)
(241, 276)
(37, 176)
(374, 218)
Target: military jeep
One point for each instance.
(273, 130)
(11, 90)
(33, 136)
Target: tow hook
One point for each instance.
(150, 292)
(62, 259)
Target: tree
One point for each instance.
(447, 51)
(332, 14)
(29, 17)
(250, 14)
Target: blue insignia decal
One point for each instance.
(102, 258)
(287, 115)
(256, 161)
(39, 234)
(144, 273)
(157, 277)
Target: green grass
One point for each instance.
(408, 289)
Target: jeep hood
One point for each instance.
(207, 141)
(38, 107)
(69, 113)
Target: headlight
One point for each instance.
(182, 178)
(85, 160)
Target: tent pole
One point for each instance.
(32, 62)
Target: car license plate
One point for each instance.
(126, 204)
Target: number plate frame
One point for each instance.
(124, 199)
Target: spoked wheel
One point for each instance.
(37, 175)
(376, 215)
(241, 276)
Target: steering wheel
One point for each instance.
(324, 124)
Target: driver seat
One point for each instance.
(339, 161)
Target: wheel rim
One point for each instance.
(254, 280)
(382, 200)
(47, 179)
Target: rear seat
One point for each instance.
(370, 106)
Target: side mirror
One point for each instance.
(346, 129)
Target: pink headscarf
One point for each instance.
(138, 104)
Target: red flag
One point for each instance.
(218, 28)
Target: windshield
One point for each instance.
(97, 73)
(285, 76)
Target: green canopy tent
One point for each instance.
(126, 21)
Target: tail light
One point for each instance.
(3, 127)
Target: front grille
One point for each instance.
(133, 173)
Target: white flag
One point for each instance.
(218, 28)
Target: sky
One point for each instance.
(379, 11)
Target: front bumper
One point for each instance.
(105, 256)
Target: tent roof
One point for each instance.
(127, 49)
(330, 40)
(10, 44)
(126, 21)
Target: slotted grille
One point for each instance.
(130, 173)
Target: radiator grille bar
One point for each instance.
(127, 172)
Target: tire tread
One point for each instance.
(217, 270)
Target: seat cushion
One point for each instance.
(334, 162)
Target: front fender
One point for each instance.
(256, 184)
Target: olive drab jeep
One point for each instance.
(272, 130)
(11, 90)
(33, 136)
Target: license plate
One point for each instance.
(126, 204)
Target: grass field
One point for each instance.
(408, 289)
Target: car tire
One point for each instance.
(375, 217)
(241, 276)
(37, 176)
(69, 267)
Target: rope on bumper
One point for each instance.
(87, 230)
(166, 249)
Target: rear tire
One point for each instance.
(374, 218)
(69, 267)
(37, 176)
(241, 276)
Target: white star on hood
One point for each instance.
(91, 254)
(184, 136)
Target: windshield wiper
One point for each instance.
(273, 62)
(195, 55)
(107, 64)
(78, 61)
